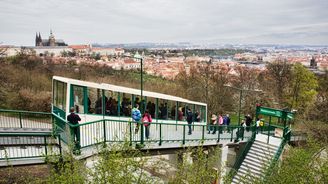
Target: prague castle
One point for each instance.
(52, 42)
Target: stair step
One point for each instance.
(241, 177)
(264, 144)
(259, 159)
(252, 169)
(260, 153)
(256, 163)
(236, 179)
(249, 169)
(264, 147)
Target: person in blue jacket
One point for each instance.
(136, 116)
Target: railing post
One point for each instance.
(45, 145)
(20, 119)
(184, 135)
(130, 124)
(269, 130)
(231, 134)
(218, 136)
(142, 133)
(160, 134)
(203, 137)
(104, 127)
(52, 122)
(59, 142)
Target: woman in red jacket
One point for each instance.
(146, 120)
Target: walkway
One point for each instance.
(23, 135)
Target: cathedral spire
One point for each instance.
(36, 39)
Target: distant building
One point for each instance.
(51, 51)
(52, 42)
(108, 51)
(313, 63)
(81, 50)
(8, 50)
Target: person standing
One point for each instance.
(228, 122)
(241, 130)
(213, 123)
(180, 114)
(136, 116)
(74, 119)
(248, 122)
(189, 120)
(220, 123)
(146, 120)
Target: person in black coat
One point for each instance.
(74, 120)
(249, 120)
(189, 120)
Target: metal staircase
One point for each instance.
(258, 159)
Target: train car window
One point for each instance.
(111, 106)
(78, 99)
(126, 104)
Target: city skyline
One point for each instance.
(167, 21)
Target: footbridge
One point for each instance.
(30, 137)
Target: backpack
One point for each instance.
(136, 116)
(146, 120)
(261, 123)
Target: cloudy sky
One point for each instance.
(198, 21)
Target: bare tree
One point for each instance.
(3, 50)
(279, 76)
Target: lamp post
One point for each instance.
(139, 57)
(240, 97)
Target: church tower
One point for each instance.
(52, 41)
(38, 40)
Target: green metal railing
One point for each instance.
(244, 152)
(269, 130)
(275, 159)
(106, 130)
(25, 119)
(28, 145)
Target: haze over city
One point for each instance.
(127, 21)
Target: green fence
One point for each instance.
(25, 119)
(285, 139)
(106, 130)
(243, 153)
(28, 145)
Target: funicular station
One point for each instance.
(105, 110)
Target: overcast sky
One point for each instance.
(198, 21)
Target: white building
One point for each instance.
(7, 51)
(51, 51)
(108, 51)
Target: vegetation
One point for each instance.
(203, 169)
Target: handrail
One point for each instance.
(47, 144)
(278, 153)
(243, 154)
(24, 119)
(62, 119)
(26, 134)
(21, 111)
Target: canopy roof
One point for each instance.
(125, 90)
